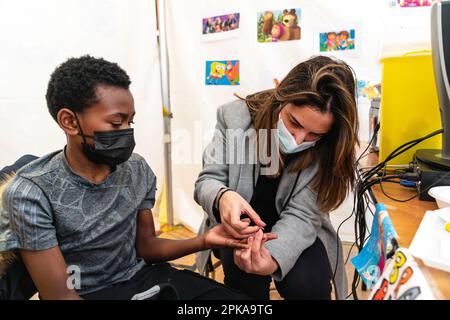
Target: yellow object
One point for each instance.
(163, 205)
(447, 227)
(167, 113)
(161, 202)
(409, 104)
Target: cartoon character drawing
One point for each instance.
(331, 41)
(414, 3)
(230, 23)
(288, 29)
(232, 72)
(209, 28)
(268, 23)
(218, 25)
(216, 72)
(371, 274)
(342, 40)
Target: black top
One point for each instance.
(263, 200)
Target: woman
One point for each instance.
(310, 172)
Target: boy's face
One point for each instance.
(113, 110)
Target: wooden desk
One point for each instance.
(406, 218)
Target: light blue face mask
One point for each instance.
(287, 141)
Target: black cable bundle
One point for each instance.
(364, 197)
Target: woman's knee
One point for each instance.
(310, 278)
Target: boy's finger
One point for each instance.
(237, 245)
(269, 236)
(233, 232)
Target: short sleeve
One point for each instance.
(26, 217)
(150, 182)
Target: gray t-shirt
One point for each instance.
(46, 205)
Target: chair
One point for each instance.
(15, 282)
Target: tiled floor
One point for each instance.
(183, 233)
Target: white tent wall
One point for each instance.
(194, 104)
(37, 36)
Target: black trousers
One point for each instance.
(309, 279)
(175, 285)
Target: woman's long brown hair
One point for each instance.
(328, 85)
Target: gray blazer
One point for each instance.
(301, 221)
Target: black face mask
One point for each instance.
(110, 147)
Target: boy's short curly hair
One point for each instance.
(73, 84)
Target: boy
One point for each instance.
(86, 210)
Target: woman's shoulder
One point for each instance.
(234, 115)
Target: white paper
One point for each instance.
(402, 279)
(426, 244)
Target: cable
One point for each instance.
(377, 127)
(404, 147)
(365, 179)
(394, 199)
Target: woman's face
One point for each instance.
(306, 123)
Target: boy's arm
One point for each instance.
(153, 249)
(48, 270)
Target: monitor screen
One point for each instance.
(440, 42)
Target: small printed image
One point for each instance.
(371, 260)
(279, 25)
(222, 73)
(366, 90)
(414, 3)
(224, 23)
(337, 40)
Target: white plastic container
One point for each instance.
(441, 195)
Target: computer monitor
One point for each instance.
(440, 45)
(440, 41)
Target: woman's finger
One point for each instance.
(246, 256)
(243, 228)
(237, 258)
(254, 216)
(256, 245)
(246, 220)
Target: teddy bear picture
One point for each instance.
(277, 25)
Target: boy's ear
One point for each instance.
(67, 121)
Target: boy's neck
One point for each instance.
(95, 173)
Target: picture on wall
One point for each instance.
(414, 3)
(279, 25)
(366, 90)
(337, 40)
(222, 72)
(220, 27)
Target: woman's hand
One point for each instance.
(256, 259)
(231, 206)
(217, 237)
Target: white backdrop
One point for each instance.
(36, 36)
(194, 104)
